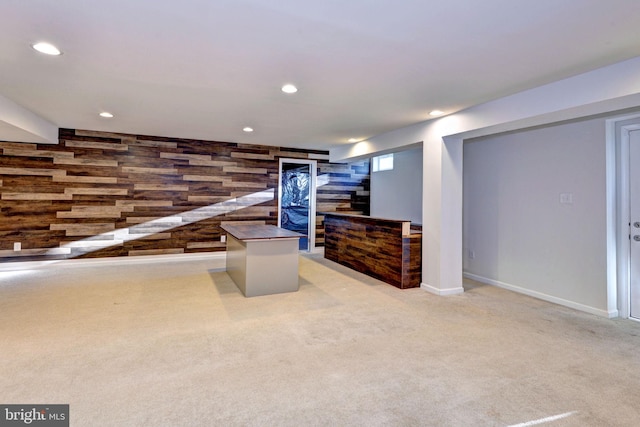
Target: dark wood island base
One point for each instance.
(389, 250)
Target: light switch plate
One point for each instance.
(566, 198)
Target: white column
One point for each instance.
(442, 216)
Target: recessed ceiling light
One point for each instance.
(289, 88)
(436, 113)
(247, 129)
(46, 48)
(353, 139)
(106, 115)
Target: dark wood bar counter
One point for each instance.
(389, 250)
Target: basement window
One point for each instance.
(383, 163)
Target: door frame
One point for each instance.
(313, 167)
(618, 215)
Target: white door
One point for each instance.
(634, 215)
(297, 199)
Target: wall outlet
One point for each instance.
(17, 247)
(471, 254)
(223, 238)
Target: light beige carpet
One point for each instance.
(177, 344)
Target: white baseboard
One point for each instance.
(316, 250)
(543, 296)
(441, 292)
(218, 260)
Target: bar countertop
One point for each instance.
(407, 227)
(259, 232)
(362, 217)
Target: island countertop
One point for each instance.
(259, 232)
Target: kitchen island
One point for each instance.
(262, 259)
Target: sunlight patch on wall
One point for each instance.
(160, 225)
(322, 180)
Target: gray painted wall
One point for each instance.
(515, 225)
(397, 193)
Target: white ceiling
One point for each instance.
(205, 69)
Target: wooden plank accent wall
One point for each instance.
(388, 250)
(99, 194)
